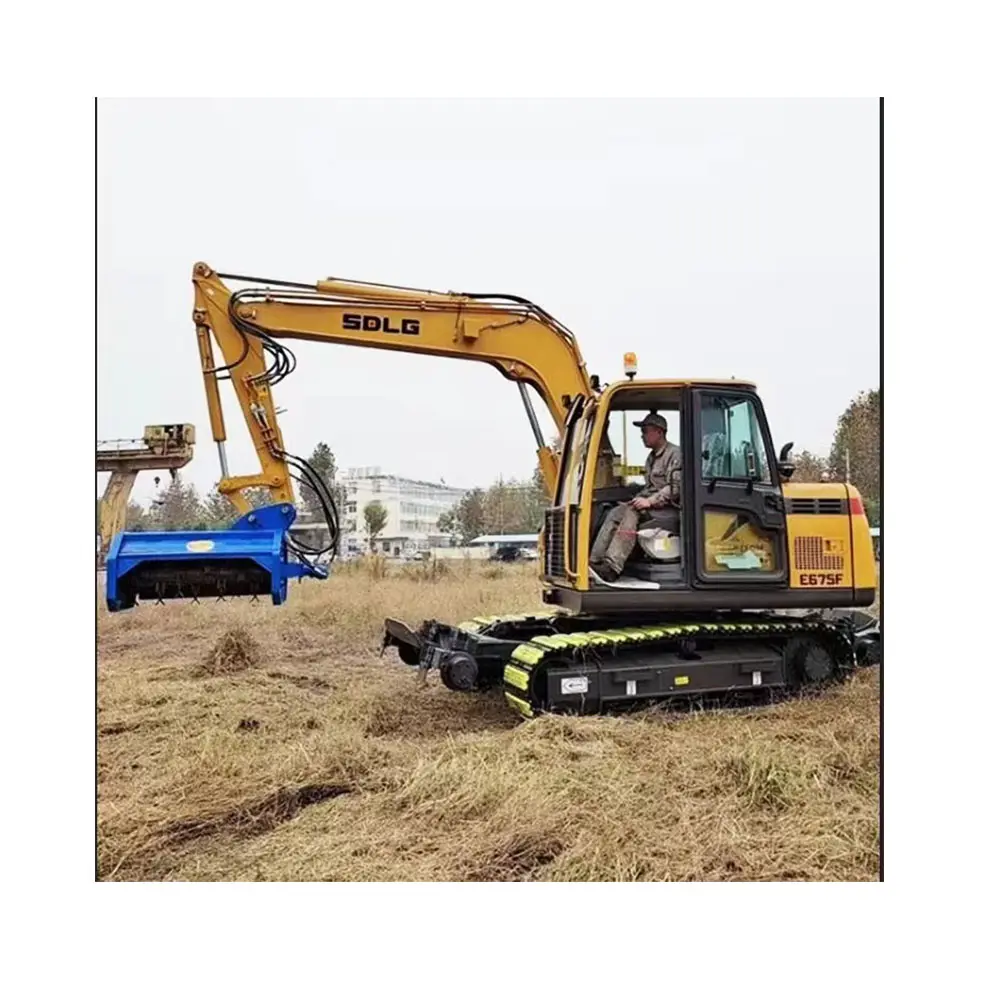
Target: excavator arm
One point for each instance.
(514, 335)
(248, 328)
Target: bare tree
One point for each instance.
(809, 468)
(859, 441)
(375, 516)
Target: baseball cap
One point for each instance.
(652, 418)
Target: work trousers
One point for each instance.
(616, 539)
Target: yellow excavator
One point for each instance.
(702, 604)
(162, 447)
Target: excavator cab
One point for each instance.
(726, 541)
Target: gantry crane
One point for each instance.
(162, 447)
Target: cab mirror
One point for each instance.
(786, 469)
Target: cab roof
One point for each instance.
(684, 383)
(653, 393)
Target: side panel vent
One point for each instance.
(815, 505)
(813, 552)
(555, 563)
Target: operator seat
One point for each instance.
(657, 553)
(664, 518)
(657, 556)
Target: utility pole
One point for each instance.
(624, 448)
(631, 366)
(847, 465)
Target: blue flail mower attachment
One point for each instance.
(248, 559)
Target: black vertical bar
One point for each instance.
(881, 517)
(97, 863)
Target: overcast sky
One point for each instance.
(713, 238)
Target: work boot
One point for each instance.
(605, 571)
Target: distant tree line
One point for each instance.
(508, 507)
(855, 454)
(179, 505)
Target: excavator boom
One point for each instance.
(512, 334)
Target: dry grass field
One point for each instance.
(240, 741)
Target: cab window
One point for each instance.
(626, 439)
(731, 440)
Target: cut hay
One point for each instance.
(235, 650)
(300, 754)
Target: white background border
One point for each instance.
(940, 272)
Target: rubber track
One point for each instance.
(483, 623)
(532, 656)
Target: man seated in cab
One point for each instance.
(617, 537)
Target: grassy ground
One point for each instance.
(246, 742)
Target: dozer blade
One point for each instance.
(250, 559)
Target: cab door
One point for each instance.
(740, 537)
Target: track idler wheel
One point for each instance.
(807, 662)
(459, 672)
(869, 652)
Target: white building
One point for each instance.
(413, 506)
